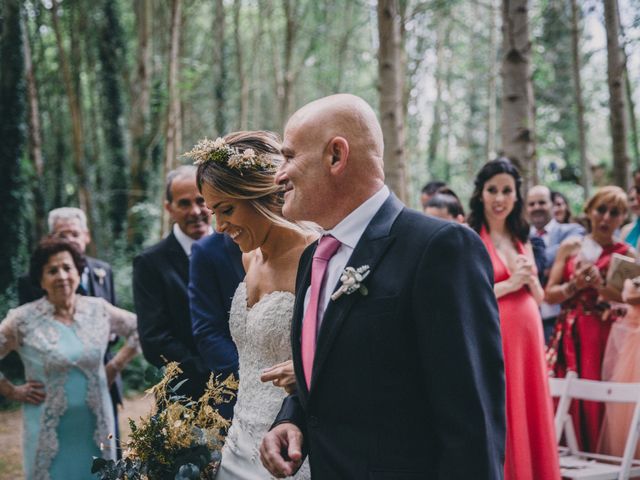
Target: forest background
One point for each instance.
(99, 98)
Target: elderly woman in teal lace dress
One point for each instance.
(61, 339)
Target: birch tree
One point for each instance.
(391, 88)
(617, 107)
(518, 125)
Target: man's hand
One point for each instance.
(282, 375)
(281, 450)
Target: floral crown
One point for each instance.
(220, 152)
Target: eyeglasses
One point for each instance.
(613, 212)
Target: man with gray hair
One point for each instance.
(70, 223)
(161, 279)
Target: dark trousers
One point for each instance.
(547, 326)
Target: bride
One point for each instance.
(236, 177)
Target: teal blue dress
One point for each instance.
(74, 423)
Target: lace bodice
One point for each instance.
(261, 334)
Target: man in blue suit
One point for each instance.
(552, 233)
(215, 270)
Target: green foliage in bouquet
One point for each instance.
(180, 441)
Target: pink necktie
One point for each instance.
(327, 247)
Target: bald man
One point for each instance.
(401, 379)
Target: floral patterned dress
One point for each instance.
(62, 434)
(579, 341)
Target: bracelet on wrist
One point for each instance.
(570, 288)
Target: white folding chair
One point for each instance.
(575, 464)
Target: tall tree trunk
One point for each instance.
(436, 130)
(633, 123)
(111, 52)
(490, 149)
(173, 110)
(518, 124)
(291, 27)
(12, 140)
(84, 195)
(585, 178)
(617, 114)
(242, 78)
(391, 87)
(220, 69)
(35, 139)
(139, 124)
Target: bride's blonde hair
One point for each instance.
(256, 185)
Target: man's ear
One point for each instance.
(169, 209)
(339, 154)
(87, 237)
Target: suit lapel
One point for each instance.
(374, 242)
(94, 288)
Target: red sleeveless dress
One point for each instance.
(531, 452)
(579, 341)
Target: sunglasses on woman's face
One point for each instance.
(603, 209)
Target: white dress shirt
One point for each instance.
(185, 241)
(548, 228)
(348, 232)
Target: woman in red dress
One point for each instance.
(497, 215)
(577, 281)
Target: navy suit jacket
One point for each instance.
(426, 339)
(160, 281)
(215, 270)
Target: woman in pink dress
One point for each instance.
(622, 364)
(497, 215)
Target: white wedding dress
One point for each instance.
(261, 334)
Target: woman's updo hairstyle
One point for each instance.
(243, 165)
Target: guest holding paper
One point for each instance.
(577, 281)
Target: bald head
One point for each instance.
(333, 151)
(348, 116)
(539, 207)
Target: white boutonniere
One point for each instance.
(352, 279)
(101, 273)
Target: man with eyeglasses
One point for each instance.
(161, 279)
(552, 233)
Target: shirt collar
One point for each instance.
(185, 241)
(547, 228)
(551, 225)
(351, 228)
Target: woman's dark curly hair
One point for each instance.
(516, 224)
(48, 247)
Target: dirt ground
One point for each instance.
(11, 434)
